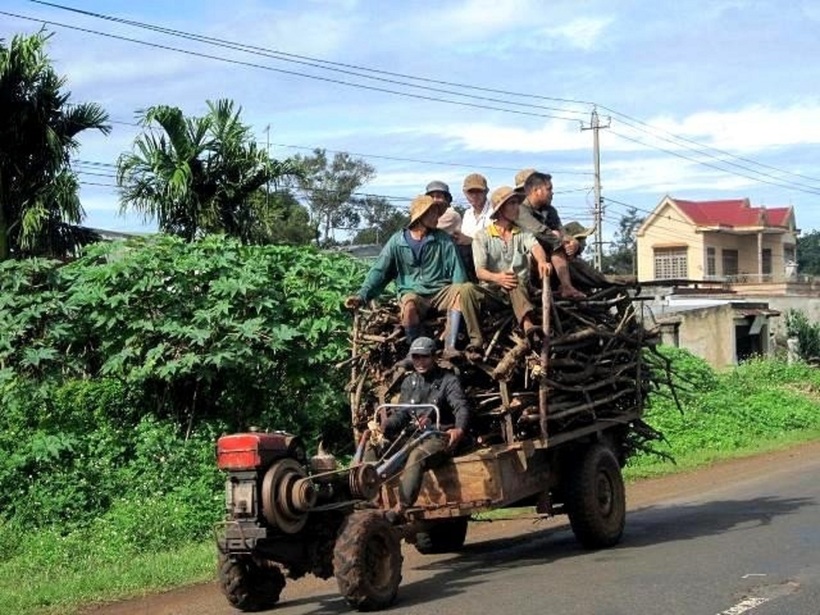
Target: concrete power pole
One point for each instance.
(595, 126)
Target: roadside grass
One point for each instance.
(26, 589)
(760, 406)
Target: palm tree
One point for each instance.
(197, 175)
(39, 204)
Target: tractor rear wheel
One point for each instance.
(247, 584)
(596, 500)
(445, 536)
(367, 561)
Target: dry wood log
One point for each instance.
(597, 365)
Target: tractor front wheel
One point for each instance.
(249, 585)
(367, 561)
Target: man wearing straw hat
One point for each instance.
(428, 273)
(502, 252)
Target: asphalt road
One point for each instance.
(740, 537)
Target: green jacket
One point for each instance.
(439, 265)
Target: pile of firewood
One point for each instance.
(598, 362)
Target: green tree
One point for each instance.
(621, 257)
(282, 220)
(40, 208)
(197, 175)
(328, 186)
(381, 220)
(808, 253)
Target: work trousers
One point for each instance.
(518, 298)
(432, 452)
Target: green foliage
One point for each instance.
(199, 175)
(118, 372)
(39, 205)
(808, 253)
(759, 401)
(282, 220)
(807, 334)
(621, 256)
(329, 186)
(381, 218)
(212, 329)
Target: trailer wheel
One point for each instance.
(367, 561)
(596, 501)
(249, 586)
(445, 536)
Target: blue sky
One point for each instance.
(704, 99)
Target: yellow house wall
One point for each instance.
(667, 228)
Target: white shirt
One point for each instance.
(472, 223)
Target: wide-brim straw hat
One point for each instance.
(578, 230)
(419, 206)
(499, 197)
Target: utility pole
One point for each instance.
(267, 168)
(595, 126)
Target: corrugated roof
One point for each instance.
(733, 213)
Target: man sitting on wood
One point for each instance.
(501, 253)
(539, 217)
(429, 275)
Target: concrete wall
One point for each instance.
(810, 306)
(710, 334)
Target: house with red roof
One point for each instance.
(728, 241)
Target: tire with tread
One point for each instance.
(249, 586)
(367, 561)
(596, 499)
(445, 536)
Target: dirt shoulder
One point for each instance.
(205, 599)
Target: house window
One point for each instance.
(766, 261)
(670, 263)
(788, 253)
(730, 261)
(711, 268)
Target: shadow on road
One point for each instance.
(646, 527)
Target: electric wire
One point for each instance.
(413, 95)
(361, 72)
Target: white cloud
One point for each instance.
(582, 33)
(753, 128)
(479, 19)
(484, 137)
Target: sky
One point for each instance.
(700, 99)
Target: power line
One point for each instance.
(419, 161)
(360, 71)
(317, 63)
(719, 160)
(627, 119)
(713, 166)
(330, 65)
(414, 95)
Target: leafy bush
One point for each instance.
(209, 330)
(119, 371)
(807, 334)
